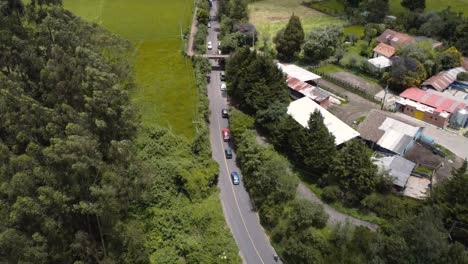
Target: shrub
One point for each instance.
(462, 76)
(331, 193)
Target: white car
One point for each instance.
(209, 25)
(223, 87)
(209, 45)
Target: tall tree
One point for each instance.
(414, 5)
(323, 42)
(238, 10)
(290, 40)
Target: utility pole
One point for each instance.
(385, 95)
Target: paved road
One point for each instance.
(334, 216)
(243, 221)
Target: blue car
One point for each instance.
(235, 178)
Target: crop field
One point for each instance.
(166, 94)
(269, 16)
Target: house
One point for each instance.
(299, 73)
(397, 167)
(430, 106)
(380, 62)
(442, 80)
(299, 89)
(395, 39)
(301, 109)
(387, 134)
(384, 50)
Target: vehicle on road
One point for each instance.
(235, 178)
(223, 87)
(225, 134)
(209, 25)
(228, 153)
(224, 113)
(209, 45)
(222, 76)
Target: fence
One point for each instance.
(348, 86)
(432, 147)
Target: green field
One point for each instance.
(330, 6)
(269, 16)
(166, 93)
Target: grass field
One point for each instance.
(332, 68)
(356, 29)
(166, 94)
(330, 6)
(269, 16)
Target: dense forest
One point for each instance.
(80, 180)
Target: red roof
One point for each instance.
(395, 39)
(439, 101)
(385, 50)
(300, 86)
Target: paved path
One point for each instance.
(193, 31)
(334, 216)
(242, 219)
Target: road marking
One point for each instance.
(235, 196)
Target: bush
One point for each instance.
(462, 76)
(331, 193)
(389, 206)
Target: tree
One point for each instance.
(375, 10)
(450, 58)
(414, 5)
(323, 42)
(354, 172)
(238, 10)
(290, 40)
(404, 73)
(202, 16)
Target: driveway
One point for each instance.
(242, 219)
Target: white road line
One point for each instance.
(235, 197)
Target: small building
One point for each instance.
(429, 105)
(398, 168)
(301, 109)
(299, 89)
(442, 80)
(299, 73)
(385, 133)
(380, 63)
(395, 38)
(384, 50)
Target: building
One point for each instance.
(387, 134)
(380, 62)
(442, 80)
(430, 106)
(384, 50)
(397, 39)
(398, 168)
(301, 110)
(299, 89)
(299, 73)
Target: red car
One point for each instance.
(225, 134)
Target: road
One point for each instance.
(253, 243)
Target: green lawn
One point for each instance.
(434, 5)
(332, 68)
(269, 16)
(166, 94)
(356, 29)
(330, 6)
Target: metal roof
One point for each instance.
(439, 101)
(306, 89)
(298, 72)
(301, 109)
(399, 168)
(380, 62)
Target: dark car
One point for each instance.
(222, 75)
(224, 113)
(228, 153)
(235, 178)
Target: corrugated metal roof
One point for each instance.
(399, 168)
(439, 101)
(443, 79)
(306, 89)
(298, 72)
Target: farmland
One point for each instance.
(161, 72)
(269, 16)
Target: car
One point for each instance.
(222, 76)
(223, 87)
(235, 178)
(224, 113)
(209, 25)
(225, 134)
(228, 153)
(209, 45)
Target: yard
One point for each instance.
(434, 5)
(329, 6)
(166, 94)
(269, 16)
